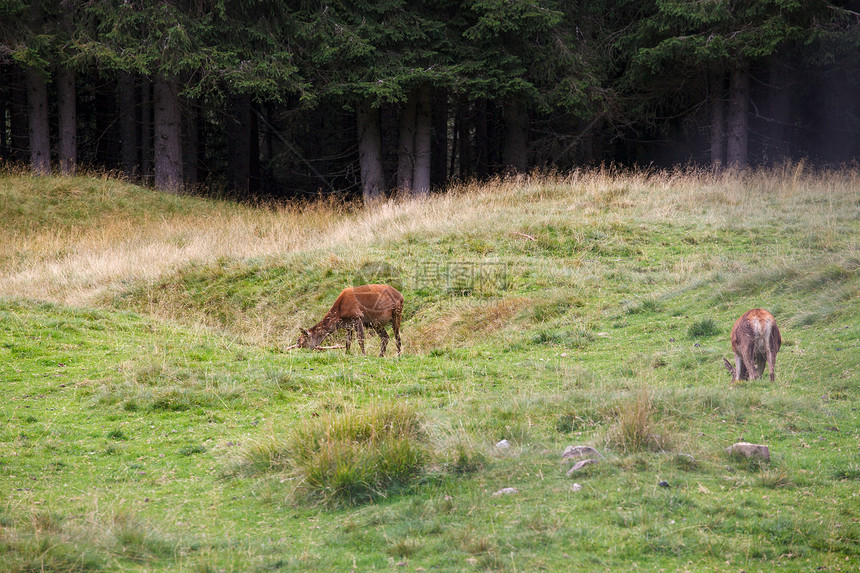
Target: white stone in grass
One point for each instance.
(579, 465)
(579, 452)
(503, 445)
(748, 450)
(576, 487)
(506, 491)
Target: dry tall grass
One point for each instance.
(79, 264)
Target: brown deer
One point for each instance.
(356, 307)
(755, 339)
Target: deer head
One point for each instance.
(310, 338)
(731, 369)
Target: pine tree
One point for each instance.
(675, 44)
(370, 54)
(190, 50)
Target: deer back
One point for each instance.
(374, 303)
(759, 327)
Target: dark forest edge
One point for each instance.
(352, 98)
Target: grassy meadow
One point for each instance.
(153, 419)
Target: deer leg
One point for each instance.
(360, 327)
(383, 337)
(349, 330)
(771, 363)
(749, 362)
(732, 370)
(740, 369)
(759, 364)
(395, 326)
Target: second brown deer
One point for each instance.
(374, 306)
(755, 340)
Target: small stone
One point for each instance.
(663, 483)
(580, 464)
(503, 445)
(579, 452)
(506, 491)
(576, 487)
(748, 450)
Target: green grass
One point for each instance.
(151, 420)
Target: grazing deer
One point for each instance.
(356, 307)
(755, 338)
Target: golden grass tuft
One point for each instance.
(633, 430)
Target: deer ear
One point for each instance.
(305, 332)
(729, 366)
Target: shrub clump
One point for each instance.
(634, 429)
(703, 328)
(357, 456)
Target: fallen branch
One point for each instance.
(529, 237)
(336, 346)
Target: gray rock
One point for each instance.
(506, 491)
(576, 487)
(748, 450)
(503, 445)
(580, 464)
(579, 452)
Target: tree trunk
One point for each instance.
(37, 108)
(68, 120)
(482, 149)
(370, 153)
(737, 144)
(239, 139)
(254, 177)
(423, 142)
(168, 136)
(146, 142)
(130, 148)
(455, 143)
(202, 170)
(778, 145)
(108, 147)
(406, 145)
(190, 145)
(439, 153)
(717, 87)
(67, 111)
(464, 138)
(18, 127)
(4, 106)
(516, 135)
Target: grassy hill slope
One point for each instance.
(154, 422)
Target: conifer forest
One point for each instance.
(358, 99)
